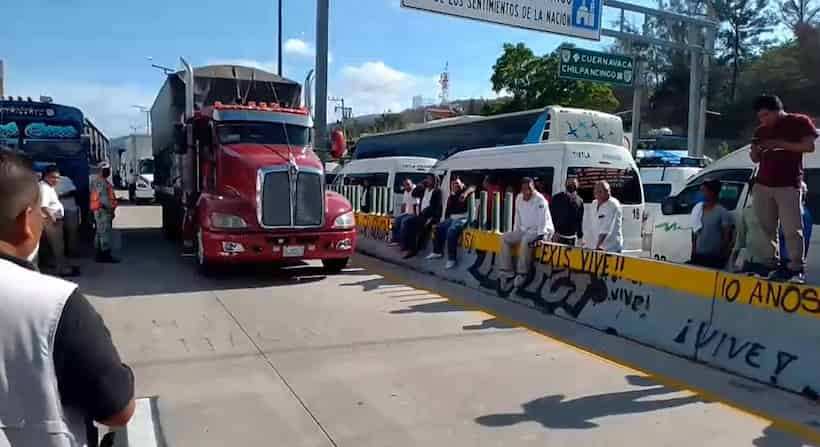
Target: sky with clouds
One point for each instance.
(95, 53)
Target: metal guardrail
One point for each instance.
(495, 215)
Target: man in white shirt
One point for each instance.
(609, 220)
(533, 222)
(409, 207)
(53, 214)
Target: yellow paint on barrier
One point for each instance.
(780, 297)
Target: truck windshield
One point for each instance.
(263, 133)
(147, 167)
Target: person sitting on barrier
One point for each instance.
(567, 210)
(711, 244)
(415, 228)
(751, 243)
(367, 205)
(609, 219)
(455, 218)
(808, 222)
(491, 185)
(533, 222)
(409, 208)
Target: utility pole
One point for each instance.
(279, 52)
(320, 120)
(2, 79)
(147, 113)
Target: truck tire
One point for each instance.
(335, 265)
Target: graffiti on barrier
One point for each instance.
(787, 297)
(554, 285)
(718, 344)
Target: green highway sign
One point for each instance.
(585, 65)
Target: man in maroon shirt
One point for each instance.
(778, 146)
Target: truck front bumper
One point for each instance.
(268, 246)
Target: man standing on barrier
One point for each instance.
(567, 209)
(409, 208)
(58, 365)
(533, 223)
(609, 220)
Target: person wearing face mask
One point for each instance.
(58, 364)
(567, 209)
(103, 205)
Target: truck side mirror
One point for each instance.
(669, 205)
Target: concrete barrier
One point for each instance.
(755, 328)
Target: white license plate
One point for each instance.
(293, 251)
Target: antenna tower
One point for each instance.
(444, 83)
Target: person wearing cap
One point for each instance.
(103, 205)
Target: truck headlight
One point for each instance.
(227, 221)
(345, 221)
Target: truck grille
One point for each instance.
(291, 200)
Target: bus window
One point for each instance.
(624, 183)
(372, 179)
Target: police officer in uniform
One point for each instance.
(103, 204)
(58, 365)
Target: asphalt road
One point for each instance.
(290, 357)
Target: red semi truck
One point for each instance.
(235, 172)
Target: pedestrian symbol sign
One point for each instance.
(585, 65)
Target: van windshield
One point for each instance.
(625, 183)
(263, 133)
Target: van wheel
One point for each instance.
(335, 265)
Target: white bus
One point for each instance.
(550, 164)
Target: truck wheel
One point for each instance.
(335, 265)
(206, 268)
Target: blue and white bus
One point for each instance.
(49, 134)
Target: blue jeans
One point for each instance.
(448, 232)
(398, 222)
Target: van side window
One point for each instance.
(656, 192)
(509, 179)
(625, 183)
(812, 179)
(372, 179)
(415, 177)
(546, 135)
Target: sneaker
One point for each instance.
(393, 244)
(505, 274)
(432, 256)
(779, 274)
(449, 265)
(797, 278)
(519, 280)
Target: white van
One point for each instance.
(672, 236)
(549, 164)
(385, 171)
(661, 178)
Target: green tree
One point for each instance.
(743, 35)
(533, 82)
(795, 13)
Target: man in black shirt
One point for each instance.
(567, 210)
(455, 218)
(415, 229)
(88, 379)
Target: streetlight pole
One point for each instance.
(320, 120)
(279, 52)
(147, 113)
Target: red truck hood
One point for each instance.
(256, 156)
(241, 163)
